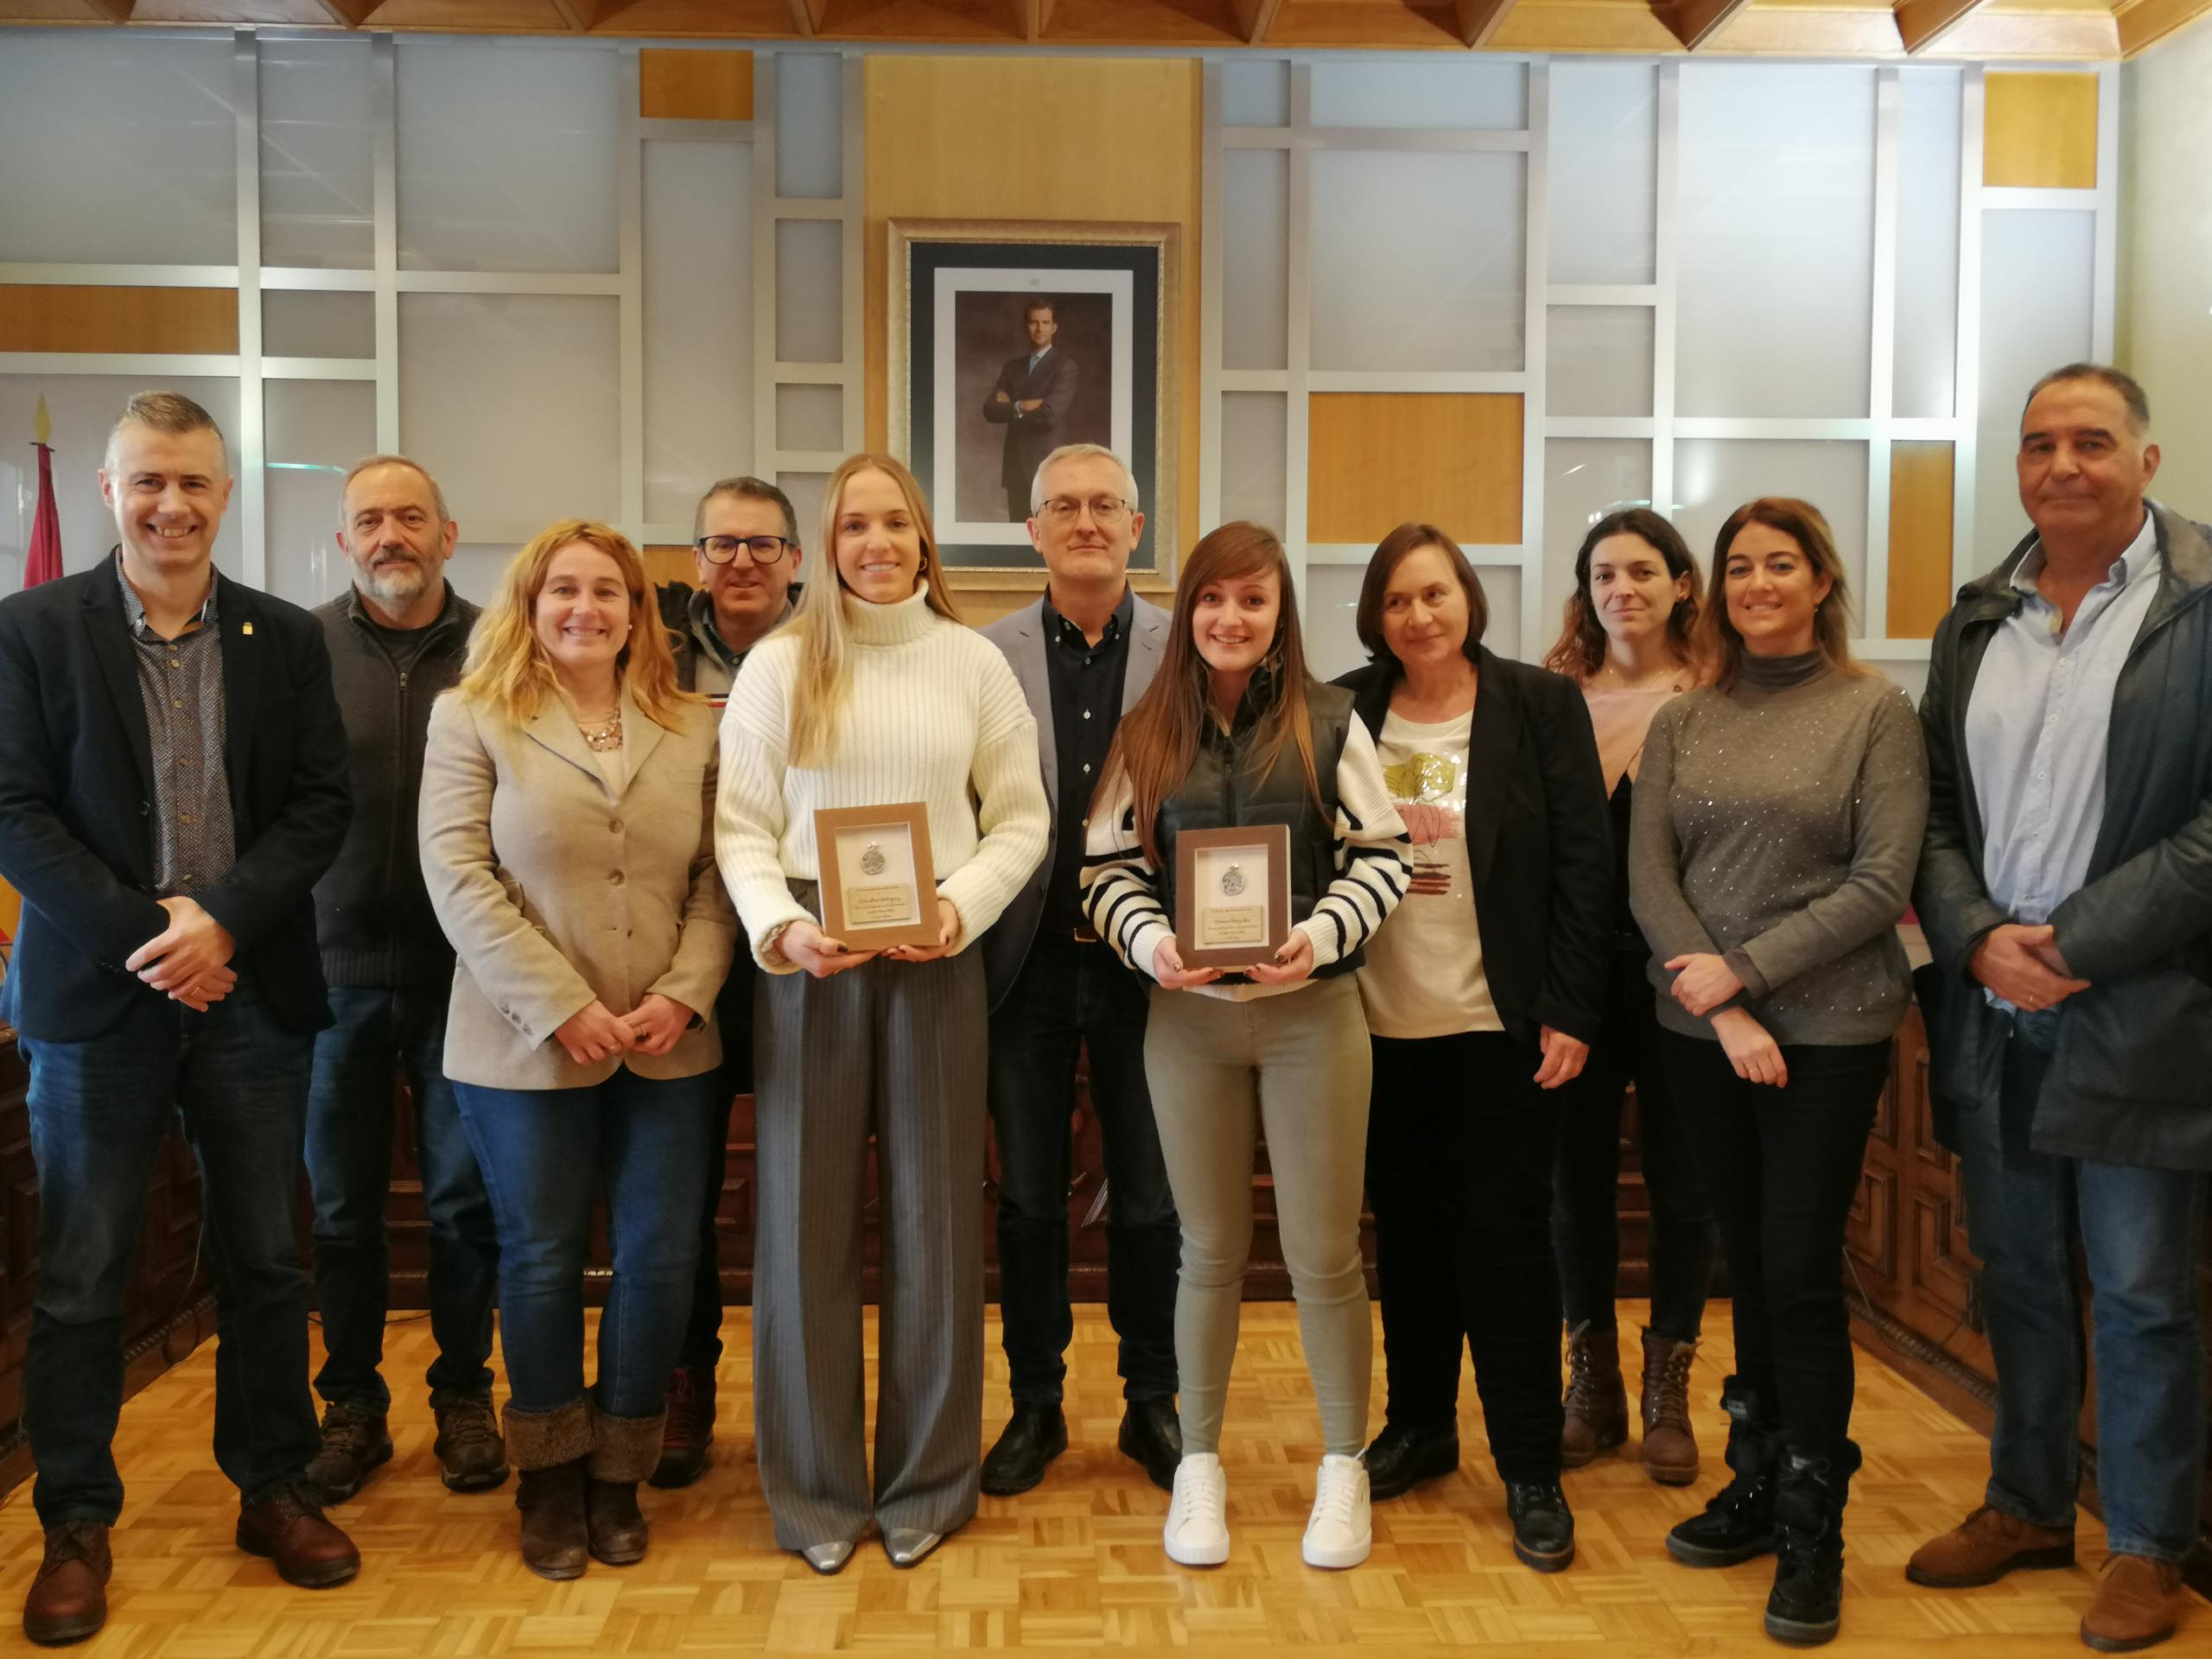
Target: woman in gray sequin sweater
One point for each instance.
(1777, 822)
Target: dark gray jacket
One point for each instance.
(373, 914)
(2131, 1080)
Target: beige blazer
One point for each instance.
(555, 889)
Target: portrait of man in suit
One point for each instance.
(1031, 400)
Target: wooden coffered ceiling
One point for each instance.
(2050, 30)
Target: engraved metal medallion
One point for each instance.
(1232, 881)
(872, 859)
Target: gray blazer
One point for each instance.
(555, 890)
(1020, 636)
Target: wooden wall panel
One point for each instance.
(1375, 460)
(11, 910)
(38, 318)
(2039, 129)
(934, 153)
(1921, 485)
(695, 85)
(671, 564)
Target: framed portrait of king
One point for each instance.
(1008, 339)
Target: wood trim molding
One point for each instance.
(1695, 21)
(1921, 23)
(1479, 20)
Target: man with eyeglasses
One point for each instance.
(745, 544)
(1084, 654)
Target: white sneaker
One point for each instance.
(1196, 1534)
(1340, 1533)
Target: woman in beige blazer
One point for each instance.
(567, 841)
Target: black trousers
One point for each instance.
(1781, 1167)
(702, 1331)
(1586, 1176)
(1459, 1145)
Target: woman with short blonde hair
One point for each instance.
(873, 696)
(567, 840)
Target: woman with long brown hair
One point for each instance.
(1233, 734)
(567, 834)
(1626, 642)
(1482, 996)
(874, 694)
(1777, 825)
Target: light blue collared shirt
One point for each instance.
(2038, 726)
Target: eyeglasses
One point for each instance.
(763, 550)
(1106, 510)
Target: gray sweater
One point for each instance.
(1778, 823)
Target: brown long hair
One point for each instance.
(818, 624)
(1580, 650)
(507, 669)
(1158, 740)
(1719, 644)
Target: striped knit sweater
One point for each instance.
(934, 715)
(1122, 889)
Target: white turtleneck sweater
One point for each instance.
(932, 713)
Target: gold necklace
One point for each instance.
(604, 736)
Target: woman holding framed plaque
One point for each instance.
(882, 803)
(1626, 642)
(1776, 831)
(1241, 851)
(1481, 996)
(567, 833)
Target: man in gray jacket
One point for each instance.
(2066, 888)
(1083, 655)
(398, 637)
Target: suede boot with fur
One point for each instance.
(550, 1450)
(623, 1451)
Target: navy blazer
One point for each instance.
(77, 793)
(1538, 841)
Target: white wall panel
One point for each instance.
(1332, 598)
(315, 430)
(1713, 477)
(116, 147)
(1255, 93)
(1584, 478)
(317, 322)
(698, 321)
(1597, 359)
(1254, 425)
(809, 124)
(1364, 90)
(1605, 149)
(2028, 329)
(1255, 258)
(1776, 287)
(810, 290)
(1928, 242)
(318, 205)
(507, 156)
(512, 400)
(1417, 259)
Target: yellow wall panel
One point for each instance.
(1376, 460)
(695, 85)
(671, 564)
(935, 152)
(37, 318)
(2039, 130)
(1921, 484)
(11, 910)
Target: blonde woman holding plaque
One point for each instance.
(875, 696)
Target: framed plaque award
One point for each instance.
(1232, 895)
(878, 887)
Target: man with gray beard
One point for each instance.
(398, 637)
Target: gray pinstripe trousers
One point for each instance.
(896, 1049)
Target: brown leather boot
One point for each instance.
(287, 1527)
(1670, 1446)
(686, 1443)
(1984, 1548)
(623, 1451)
(68, 1600)
(472, 1458)
(354, 1441)
(1597, 1400)
(555, 1539)
(2138, 1605)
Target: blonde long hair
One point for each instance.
(823, 681)
(1157, 742)
(508, 670)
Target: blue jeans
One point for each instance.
(543, 1153)
(98, 1112)
(1069, 994)
(2140, 1229)
(377, 1032)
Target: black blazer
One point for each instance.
(77, 793)
(1538, 840)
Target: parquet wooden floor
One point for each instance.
(1072, 1567)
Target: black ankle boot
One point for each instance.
(1738, 1520)
(1807, 1605)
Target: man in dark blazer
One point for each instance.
(1031, 400)
(1084, 654)
(173, 780)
